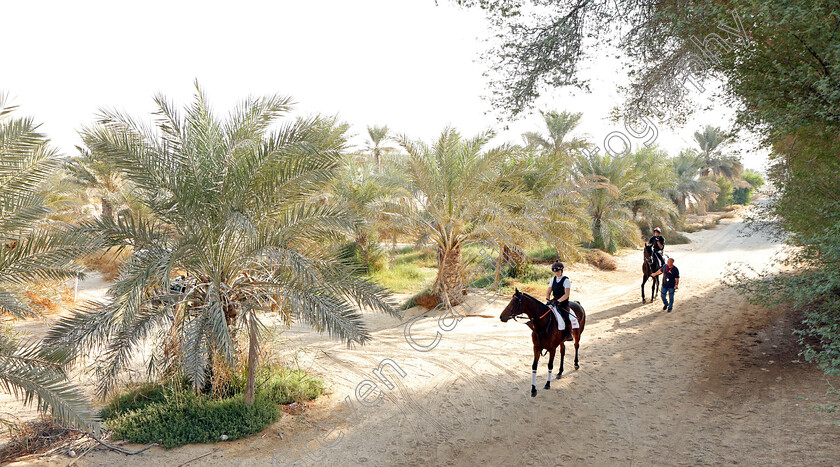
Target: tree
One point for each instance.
(236, 210)
(33, 250)
(378, 136)
(458, 194)
(362, 191)
(555, 145)
(658, 176)
(691, 190)
(710, 141)
(613, 186)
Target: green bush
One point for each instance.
(284, 386)
(184, 417)
(753, 178)
(742, 195)
(175, 415)
(134, 399)
(724, 197)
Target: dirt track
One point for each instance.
(714, 382)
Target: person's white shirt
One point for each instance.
(567, 284)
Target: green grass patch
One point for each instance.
(403, 277)
(425, 257)
(286, 385)
(542, 252)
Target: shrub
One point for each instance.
(285, 385)
(184, 417)
(134, 399)
(176, 415)
(742, 195)
(753, 178)
(602, 260)
(724, 196)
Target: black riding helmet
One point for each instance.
(557, 266)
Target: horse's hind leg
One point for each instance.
(577, 345)
(534, 373)
(550, 367)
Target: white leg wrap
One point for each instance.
(549, 376)
(534, 378)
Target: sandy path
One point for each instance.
(714, 382)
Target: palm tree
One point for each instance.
(691, 190)
(556, 210)
(33, 250)
(613, 187)
(457, 195)
(96, 176)
(378, 135)
(362, 192)
(555, 145)
(237, 211)
(659, 178)
(710, 141)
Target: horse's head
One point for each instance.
(515, 308)
(648, 253)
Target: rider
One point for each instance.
(560, 286)
(657, 243)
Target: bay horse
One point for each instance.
(544, 332)
(649, 266)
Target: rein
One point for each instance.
(548, 324)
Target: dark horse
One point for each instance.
(544, 332)
(649, 266)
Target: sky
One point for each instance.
(409, 64)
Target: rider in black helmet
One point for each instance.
(560, 286)
(657, 243)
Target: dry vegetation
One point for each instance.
(601, 260)
(41, 436)
(107, 263)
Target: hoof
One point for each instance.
(577, 367)
(533, 391)
(559, 375)
(547, 385)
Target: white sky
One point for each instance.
(409, 64)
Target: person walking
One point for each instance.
(670, 283)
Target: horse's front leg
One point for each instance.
(534, 372)
(654, 289)
(644, 281)
(562, 355)
(550, 367)
(577, 345)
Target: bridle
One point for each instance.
(518, 306)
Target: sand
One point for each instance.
(714, 382)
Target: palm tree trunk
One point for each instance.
(252, 362)
(107, 209)
(362, 245)
(449, 284)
